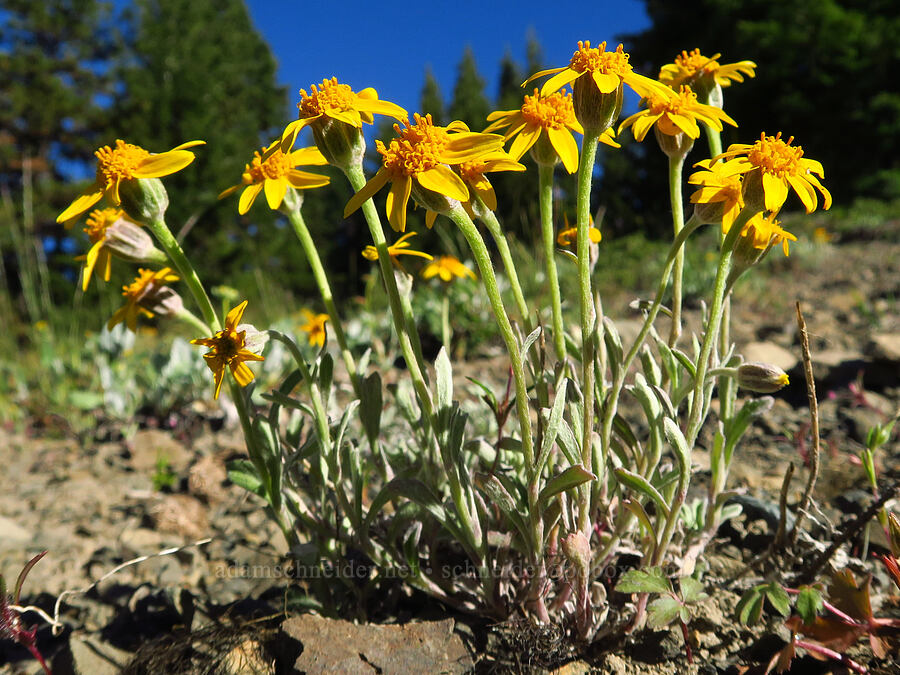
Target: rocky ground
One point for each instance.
(93, 506)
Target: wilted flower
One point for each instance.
(143, 295)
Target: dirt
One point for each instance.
(92, 504)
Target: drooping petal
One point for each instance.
(89, 261)
(397, 200)
(643, 124)
(524, 141)
(188, 144)
(311, 156)
(566, 147)
(826, 195)
(275, 189)
(289, 136)
(241, 372)
(805, 191)
(382, 108)
(607, 83)
(350, 116)
(375, 183)
(775, 190)
(249, 196)
(485, 191)
(542, 73)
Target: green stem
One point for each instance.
(713, 322)
(545, 187)
(293, 213)
(188, 275)
(488, 278)
(588, 321)
(493, 225)
(675, 198)
(192, 320)
(415, 362)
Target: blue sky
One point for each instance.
(389, 47)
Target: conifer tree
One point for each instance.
(469, 101)
(431, 100)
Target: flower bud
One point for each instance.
(431, 200)
(753, 191)
(144, 199)
(762, 378)
(676, 146)
(127, 240)
(162, 301)
(342, 144)
(595, 110)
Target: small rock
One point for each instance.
(12, 535)
(86, 655)
(885, 347)
(150, 446)
(206, 479)
(182, 515)
(331, 646)
(769, 352)
(573, 668)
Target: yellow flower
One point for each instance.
(417, 162)
(314, 327)
(720, 197)
(569, 235)
(764, 232)
(771, 166)
(473, 175)
(447, 268)
(340, 103)
(140, 293)
(228, 348)
(98, 221)
(395, 250)
(125, 163)
(693, 67)
(674, 115)
(275, 174)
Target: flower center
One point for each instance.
(138, 288)
(774, 156)
(277, 165)
(599, 60)
(417, 149)
(471, 172)
(551, 112)
(658, 104)
(695, 62)
(332, 96)
(118, 163)
(99, 221)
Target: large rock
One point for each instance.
(769, 352)
(331, 646)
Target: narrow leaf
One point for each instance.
(568, 479)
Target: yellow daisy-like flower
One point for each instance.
(607, 70)
(568, 236)
(127, 162)
(146, 284)
(692, 67)
(418, 161)
(314, 327)
(98, 256)
(228, 350)
(772, 166)
(395, 250)
(674, 115)
(473, 175)
(720, 197)
(765, 231)
(334, 101)
(274, 172)
(447, 268)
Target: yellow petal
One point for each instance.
(430, 217)
(248, 196)
(383, 108)
(563, 77)
(235, 315)
(397, 200)
(524, 141)
(607, 83)
(775, 191)
(81, 204)
(805, 191)
(542, 73)
(308, 156)
(163, 164)
(564, 144)
(189, 144)
(350, 116)
(275, 189)
(304, 179)
(229, 191)
(241, 372)
(219, 375)
(443, 180)
(375, 183)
